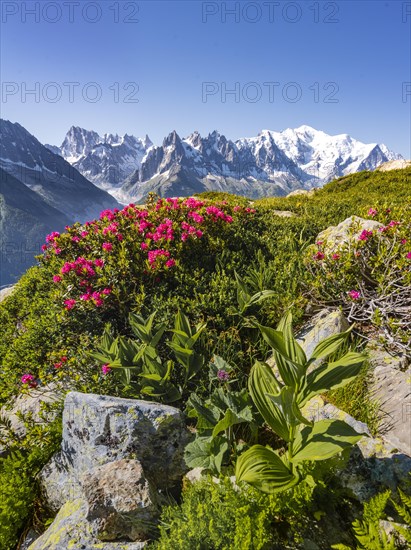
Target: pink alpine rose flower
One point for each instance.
(105, 369)
(29, 380)
(354, 295)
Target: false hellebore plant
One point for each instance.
(280, 402)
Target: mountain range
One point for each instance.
(273, 163)
(39, 192)
(45, 187)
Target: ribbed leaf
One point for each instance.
(330, 345)
(262, 382)
(288, 369)
(285, 401)
(231, 419)
(324, 440)
(332, 375)
(293, 348)
(182, 324)
(264, 469)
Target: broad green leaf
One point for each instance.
(289, 370)
(101, 357)
(231, 419)
(182, 324)
(182, 352)
(149, 376)
(193, 339)
(293, 348)
(243, 294)
(264, 469)
(262, 382)
(238, 402)
(196, 362)
(208, 417)
(285, 401)
(221, 364)
(261, 295)
(206, 452)
(332, 376)
(157, 337)
(323, 440)
(330, 345)
(106, 339)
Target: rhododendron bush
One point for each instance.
(171, 255)
(369, 275)
(100, 264)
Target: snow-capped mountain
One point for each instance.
(106, 161)
(322, 157)
(273, 163)
(59, 184)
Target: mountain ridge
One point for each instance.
(271, 162)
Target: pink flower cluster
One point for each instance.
(52, 240)
(95, 296)
(216, 213)
(85, 270)
(391, 225)
(105, 369)
(60, 363)
(82, 267)
(372, 212)
(108, 247)
(156, 259)
(29, 380)
(190, 230)
(109, 214)
(354, 295)
(365, 235)
(156, 232)
(164, 231)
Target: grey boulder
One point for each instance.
(351, 228)
(121, 501)
(98, 430)
(71, 530)
(391, 387)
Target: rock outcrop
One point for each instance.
(37, 406)
(117, 458)
(399, 164)
(391, 387)
(5, 292)
(336, 236)
(122, 503)
(71, 530)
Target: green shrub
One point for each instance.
(17, 493)
(217, 516)
(18, 479)
(369, 276)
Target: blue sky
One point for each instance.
(342, 67)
